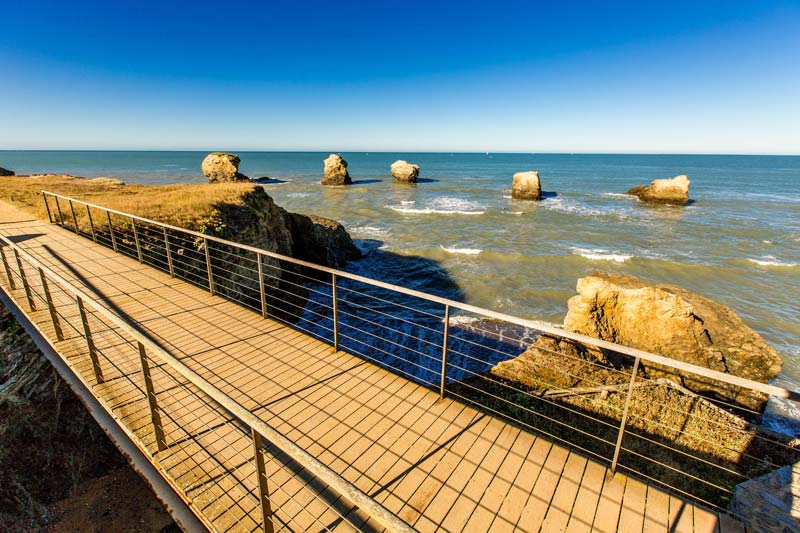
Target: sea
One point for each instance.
(737, 242)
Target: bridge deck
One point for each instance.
(438, 464)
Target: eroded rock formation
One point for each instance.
(336, 171)
(664, 191)
(404, 171)
(220, 166)
(526, 186)
(321, 240)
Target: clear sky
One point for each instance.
(667, 76)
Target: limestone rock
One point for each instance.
(664, 191)
(770, 503)
(526, 186)
(336, 171)
(404, 171)
(321, 240)
(219, 166)
(6, 172)
(671, 321)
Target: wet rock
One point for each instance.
(220, 166)
(336, 171)
(321, 240)
(6, 172)
(404, 171)
(526, 186)
(674, 191)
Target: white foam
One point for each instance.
(461, 251)
(767, 242)
(408, 202)
(298, 194)
(507, 196)
(598, 254)
(771, 261)
(616, 195)
(370, 231)
(442, 206)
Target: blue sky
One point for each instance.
(687, 77)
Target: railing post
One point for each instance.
(335, 313)
(111, 231)
(263, 489)
(261, 286)
(169, 254)
(208, 267)
(74, 218)
(60, 215)
(136, 240)
(445, 342)
(9, 274)
(47, 206)
(25, 283)
(98, 372)
(624, 417)
(91, 223)
(51, 306)
(155, 416)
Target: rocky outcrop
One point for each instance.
(526, 186)
(6, 172)
(404, 171)
(321, 240)
(220, 166)
(107, 182)
(770, 503)
(666, 320)
(674, 191)
(336, 171)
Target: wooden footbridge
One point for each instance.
(242, 422)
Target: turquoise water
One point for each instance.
(738, 242)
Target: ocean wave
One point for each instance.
(461, 251)
(559, 204)
(616, 194)
(598, 254)
(442, 206)
(370, 231)
(408, 202)
(771, 260)
(298, 194)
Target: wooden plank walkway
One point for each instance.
(439, 464)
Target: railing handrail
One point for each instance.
(765, 388)
(349, 491)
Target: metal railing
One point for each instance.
(76, 317)
(617, 407)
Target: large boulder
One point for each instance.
(526, 186)
(405, 171)
(321, 240)
(336, 171)
(770, 503)
(664, 191)
(6, 172)
(220, 166)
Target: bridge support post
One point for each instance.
(74, 218)
(155, 415)
(261, 286)
(25, 284)
(9, 275)
(169, 254)
(263, 489)
(111, 231)
(51, 306)
(445, 342)
(60, 215)
(47, 207)
(624, 416)
(208, 267)
(335, 314)
(136, 240)
(91, 223)
(98, 372)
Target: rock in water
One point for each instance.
(321, 240)
(770, 503)
(6, 172)
(405, 171)
(336, 171)
(219, 166)
(526, 186)
(664, 191)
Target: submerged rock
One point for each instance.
(220, 166)
(526, 186)
(6, 172)
(664, 191)
(336, 171)
(404, 171)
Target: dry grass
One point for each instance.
(186, 205)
